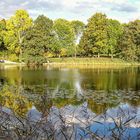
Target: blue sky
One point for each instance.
(122, 10)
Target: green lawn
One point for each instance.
(90, 61)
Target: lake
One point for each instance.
(102, 88)
(104, 101)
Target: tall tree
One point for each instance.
(65, 36)
(130, 41)
(38, 40)
(16, 27)
(2, 30)
(94, 39)
(114, 32)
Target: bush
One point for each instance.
(13, 57)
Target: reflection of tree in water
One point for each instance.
(111, 79)
(2, 81)
(95, 79)
(99, 107)
(102, 88)
(132, 97)
(12, 75)
(14, 100)
(20, 98)
(101, 101)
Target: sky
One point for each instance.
(122, 10)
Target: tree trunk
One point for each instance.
(111, 56)
(20, 43)
(75, 55)
(75, 52)
(98, 55)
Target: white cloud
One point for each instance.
(116, 1)
(123, 10)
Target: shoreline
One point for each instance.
(90, 62)
(81, 62)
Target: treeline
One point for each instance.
(108, 37)
(23, 39)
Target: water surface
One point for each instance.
(101, 88)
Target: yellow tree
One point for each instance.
(16, 27)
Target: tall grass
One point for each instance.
(91, 61)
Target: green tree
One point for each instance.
(55, 45)
(78, 27)
(65, 37)
(114, 31)
(130, 41)
(2, 29)
(16, 27)
(94, 39)
(38, 40)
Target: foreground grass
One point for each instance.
(91, 61)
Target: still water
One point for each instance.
(101, 88)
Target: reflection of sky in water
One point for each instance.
(103, 125)
(106, 127)
(122, 121)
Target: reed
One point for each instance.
(91, 61)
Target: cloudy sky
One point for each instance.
(123, 10)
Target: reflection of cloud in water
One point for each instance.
(64, 69)
(123, 119)
(65, 80)
(55, 91)
(77, 83)
(34, 115)
(125, 112)
(78, 88)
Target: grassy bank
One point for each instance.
(91, 62)
(81, 62)
(6, 62)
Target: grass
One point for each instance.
(91, 62)
(88, 62)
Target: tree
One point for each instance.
(130, 41)
(94, 39)
(114, 32)
(65, 36)
(78, 27)
(38, 40)
(16, 27)
(2, 29)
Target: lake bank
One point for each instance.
(80, 62)
(7, 62)
(90, 62)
